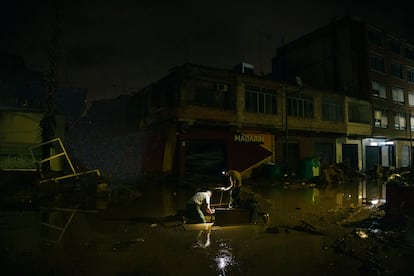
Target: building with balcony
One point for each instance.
(353, 58)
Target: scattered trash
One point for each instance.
(361, 233)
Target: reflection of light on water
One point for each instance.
(224, 259)
(203, 241)
(221, 262)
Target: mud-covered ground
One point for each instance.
(310, 232)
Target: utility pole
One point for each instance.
(286, 133)
(299, 85)
(48, 122)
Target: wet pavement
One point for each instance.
(310, 232)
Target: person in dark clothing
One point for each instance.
(256, 213)
(235, 181)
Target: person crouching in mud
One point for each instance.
(196, 203)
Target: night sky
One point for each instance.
(117, 47)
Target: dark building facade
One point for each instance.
(200, 120)
(353, 58)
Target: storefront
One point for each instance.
(203, 151)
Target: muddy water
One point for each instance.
(131, 236)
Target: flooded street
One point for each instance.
(310, 232)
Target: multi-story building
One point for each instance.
(200, 120)
(353, 58)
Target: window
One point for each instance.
(393, 44)
(412, 122)
(379, 90)
(380, 118)
(377, 63)
(260, 100)
(398, 95)
(409, 52)
(299, 106)
(399, 121)
(375, 37)
(211, 95)
(411, 98)
(332, 110)
(359, 113)
(396, 70)
(410, 74)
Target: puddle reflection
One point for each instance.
(220, 252)
(224, 258)
(203, 239)
(366, 192)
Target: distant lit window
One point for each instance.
(399, 121)
(380, 118)
(397, 70)
(377, 63)
(379, 90)
(300, 106)
(409, 52)
(260, 100)
(411, 98)
(398, 95)
(375, 37)
(332, 110)
(412, 122)
(410, 74)
(393, 44)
